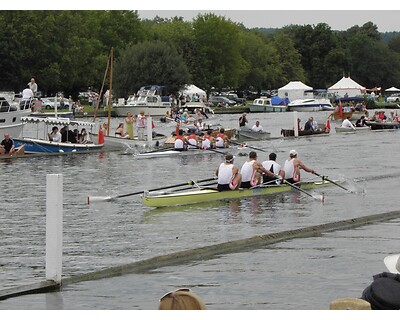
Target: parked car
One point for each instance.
(48, 103)
(234, 97)
(394, 98)
(224, 101)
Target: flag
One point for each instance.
(152, 124)
(327, 126)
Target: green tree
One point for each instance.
(149, 63)
(218, 47)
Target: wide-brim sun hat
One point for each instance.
(293, 153)
(392, 262)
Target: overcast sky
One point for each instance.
(337, 20)
(338, 14)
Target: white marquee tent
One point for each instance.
(293, 90)
(347, 86)
(191, 90)
(392, 89)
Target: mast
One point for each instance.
(101, 90)
(110, 90)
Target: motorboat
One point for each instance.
(265, 104)
(38, 145)
(148, 99)
(319, 101)
(11, 112)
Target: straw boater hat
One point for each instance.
(293, 153)
(392, 262)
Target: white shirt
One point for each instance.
(257, 129)
(347, 124)
(247, 171)
(56, 137)
(33, 86)
(225, 173)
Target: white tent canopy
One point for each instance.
(191, 90)
(392, 89)
(347, 86)
(293, 90)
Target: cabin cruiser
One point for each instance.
(148, 99)
(11, 112)
(313, 101)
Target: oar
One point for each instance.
(245, 145)
(109, 198)
(321, 198)
(331, 181)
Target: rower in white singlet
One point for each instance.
(228, 174)
(292, 168)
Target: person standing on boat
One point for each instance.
(229, 177)
(292, 166)
(347, 123)
(141, 125)
(7, 145)
(55, 135)
(33, 86)
(243, 120)
(251, 172)
(272, 166)
(129, 120)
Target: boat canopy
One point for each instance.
(56, 121)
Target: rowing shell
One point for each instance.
(206, 195)
(169, 153)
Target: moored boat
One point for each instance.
(310, 105)
(264, 104)
(11, 113)
(209, 194)
(148, 99)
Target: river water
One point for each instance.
(302, 274)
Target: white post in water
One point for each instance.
(149, 127)
(54, 223)
(295, 124)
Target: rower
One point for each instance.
(292, 167)
(192, 140)
(180, 142)
(251, 172)
(228, 174)
(222, 140)
(347, 123)
(208, 141)
(272, 166)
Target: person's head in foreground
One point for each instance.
(181, 299)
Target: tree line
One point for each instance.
(68, 51)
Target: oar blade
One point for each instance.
(99, 199)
